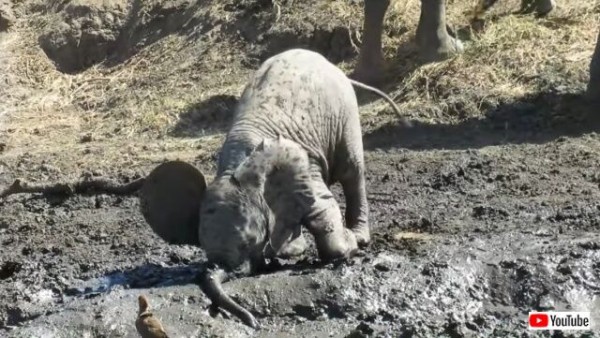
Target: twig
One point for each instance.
(355, 31)
(277, 10)
(97, 186)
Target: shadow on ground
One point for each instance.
(535, 119)
(151, 275)
(205, 117)
(404, 63)
(143, 276)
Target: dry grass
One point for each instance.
(510, 58)
(130, 109)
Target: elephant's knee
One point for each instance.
(335, 245)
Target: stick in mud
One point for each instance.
(84, 186)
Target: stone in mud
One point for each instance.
(7, 18)
(8, 269)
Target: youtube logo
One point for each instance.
(560, 320)
(538, 320)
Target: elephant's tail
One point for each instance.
(210, 282)
(403, 119)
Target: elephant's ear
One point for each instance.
(170, 201)
(251, 172)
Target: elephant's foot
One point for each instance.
(336, 245)
(370, 68)
(362, 234)
(434, 38)
(438, 45)
(333, 240)
(540, 7)
(294, 248)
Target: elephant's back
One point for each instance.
(298, 95)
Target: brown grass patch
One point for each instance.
(129, 109)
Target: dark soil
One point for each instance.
(481, 213)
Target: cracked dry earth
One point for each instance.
(475, 223)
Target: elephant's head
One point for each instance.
(231, 218)
(234, 223)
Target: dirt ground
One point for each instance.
(488, 208)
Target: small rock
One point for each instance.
(86, 138)
(546, 303)
(174, 258)
(356, 334)
(4, 224)
(383, 266)
(591, 245)
(82, 239)
(9, 269)
(102, 201)
(565, 269)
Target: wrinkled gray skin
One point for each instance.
(295, 132)
(433, 37)
(298, 111)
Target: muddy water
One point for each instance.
(465, 243)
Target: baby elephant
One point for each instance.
(296, 131)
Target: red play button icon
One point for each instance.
(538, 320)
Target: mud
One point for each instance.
(477, 218)
(466, 242)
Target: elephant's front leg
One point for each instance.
(435, 43)
(325, 223)
(357, 207)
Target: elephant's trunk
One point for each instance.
(210, 282)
